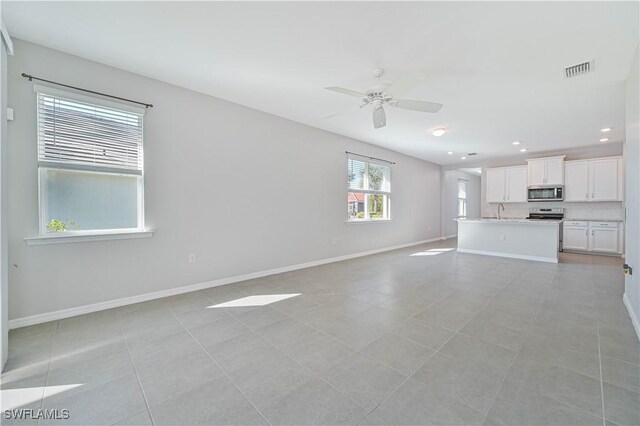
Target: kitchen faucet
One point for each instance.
(500, 205)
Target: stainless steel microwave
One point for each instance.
(545, 193)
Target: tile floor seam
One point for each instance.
(421, 325)
(313, 373)
(405, 381)
(528, 333)
(359, 351)
(604, 416)
(46, 380)
(135, 371)
(133, 415)
(221, 369)
(504, 378)
(516, 352)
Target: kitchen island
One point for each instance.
(516, 238)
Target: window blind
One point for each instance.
(74, 134)
(368, 177)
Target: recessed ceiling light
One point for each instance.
(463, 158)
(606, 129)
(450, 152)
(604, 139)
(523, 149)
(439, 131)
(515, 143)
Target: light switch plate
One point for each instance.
(10, 114)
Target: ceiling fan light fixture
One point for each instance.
(439, 131)
(379, 117)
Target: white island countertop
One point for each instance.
(511, 220)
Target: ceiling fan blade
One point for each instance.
(346, 91)
(379, 117)
(408, 81)
(422, 106)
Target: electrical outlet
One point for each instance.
(192, 258)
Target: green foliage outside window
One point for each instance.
(60, 226)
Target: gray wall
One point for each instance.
(243, 190)
(632, 159)
(450, 210)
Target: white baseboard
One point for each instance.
(634, 319)
(450, 236)
(510, 255)
(94, 307)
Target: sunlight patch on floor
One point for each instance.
(432, 252)
(22, 397)
(258, 300)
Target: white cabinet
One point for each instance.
(496, 182)
(604, 240)
(604, 179)
(506, 185)
(576, 236)
(576, 181)
(594, 180)
(546, 171)
(516, 184)
(592, 236)
(555, 171)
(537, 174)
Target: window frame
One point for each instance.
(463, 199)
(97, 234)
(367, 192)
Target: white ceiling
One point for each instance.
(496, 67)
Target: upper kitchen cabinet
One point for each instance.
(546, 171)
(516, 184)
(598, 179)
(605, 179)
(496, 181)
(507, 185)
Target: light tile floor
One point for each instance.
(415, 336)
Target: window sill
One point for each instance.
(93, 236)
(369, 221)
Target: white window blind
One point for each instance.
(79, 135)
(368, 177)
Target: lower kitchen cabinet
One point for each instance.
(604, 237)
(592, 236)
(576, 236)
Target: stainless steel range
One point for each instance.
(556, 213)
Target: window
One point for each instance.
(89, 164)
(369, 190)
(462, 198)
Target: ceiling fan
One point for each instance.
(380, 95)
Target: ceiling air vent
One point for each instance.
(472, 153)
(578, 69)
